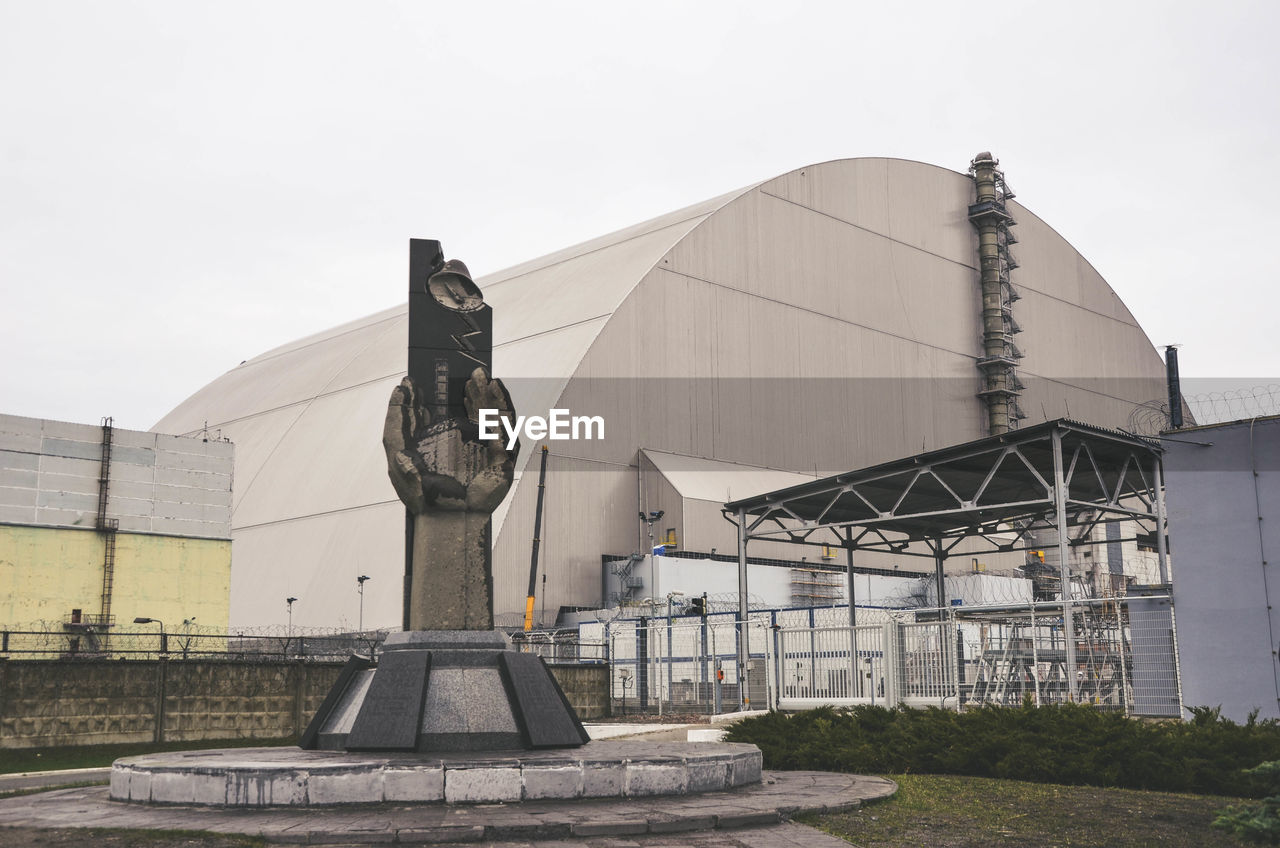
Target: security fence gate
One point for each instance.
(1125, 658)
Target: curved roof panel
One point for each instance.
(292, 410)
(824, 319)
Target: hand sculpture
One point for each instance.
(431, 464)
(451, 481)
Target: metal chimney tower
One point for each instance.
(997, 365)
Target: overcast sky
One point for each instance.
(184, 186)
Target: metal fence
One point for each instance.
(1124, 654)
(79, 640)
(1124, 658)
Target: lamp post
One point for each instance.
(650, 519)
(164, 637)
(360, 587)
(289, 633)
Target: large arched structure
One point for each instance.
(823, 320)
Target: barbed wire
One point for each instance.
(1151, 417)
(60, 640)
(1218, 407)
(1009, 586)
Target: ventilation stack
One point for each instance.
(1175, 386)
(997, 365)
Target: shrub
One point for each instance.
(1069, 743)
(1258, 822)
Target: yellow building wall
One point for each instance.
(47, 572)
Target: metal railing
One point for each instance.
(954, 658)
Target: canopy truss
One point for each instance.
(999, 490)
(1061, 475)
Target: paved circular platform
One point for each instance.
(755, 811)
(291, 777)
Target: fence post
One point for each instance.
(702, 659)
(716, 704)
(956, 650)
(891, 670)
(642, 664)
(162, 684)
(670, 655)
(813, 656)
(299, 670)
(777, 659)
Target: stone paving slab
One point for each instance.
(733, 817)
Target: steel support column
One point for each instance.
(856, 679)
(1064, 564)
(939, 559)
(1162, 554)
(743, 635)
(940, 580)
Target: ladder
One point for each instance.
(106, 526)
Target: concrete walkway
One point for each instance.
(750, 817)
(48, 779)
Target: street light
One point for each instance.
(289, 633)
(164, 637)
(360, 587)
(650, 519)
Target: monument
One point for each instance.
(450, 682)
(449, 711)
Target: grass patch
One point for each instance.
(1067, 744)
(949, 811)
(94, 756)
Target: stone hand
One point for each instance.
(433, 465)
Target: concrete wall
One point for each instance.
(586, 687)
(170, 495)
(1223, 493)
(60, 702)
(63, 702)
(47, 572)
(49, 474)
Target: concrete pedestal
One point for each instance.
(451, 690)
(275, 777)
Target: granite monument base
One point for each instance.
(445, 691)
(287, 777)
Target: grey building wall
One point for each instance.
(1223, 495)
(163, 484)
